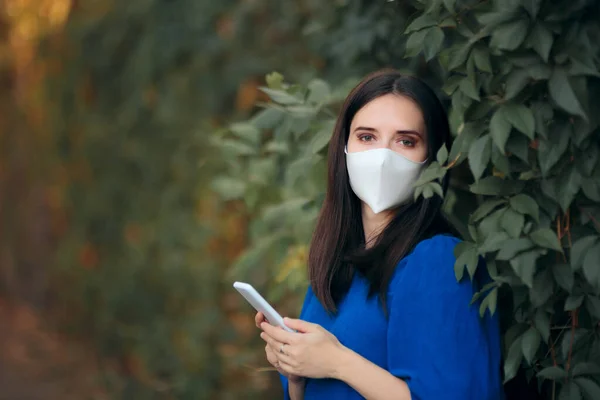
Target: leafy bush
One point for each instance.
(521, 79)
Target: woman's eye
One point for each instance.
(366, 138)
(407, 142)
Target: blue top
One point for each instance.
(432, 339)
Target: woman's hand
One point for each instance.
(271, 354)
(313, 352)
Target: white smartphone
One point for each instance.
(260, 304)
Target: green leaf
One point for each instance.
(591, 189)
(436, 188)
(479, 155)
(530, 344)
(301, 112)
(489, 302)
(552, 373)
(459, 57)
(590, 388)
(274, 80)
(563, 276)
(237, 147)
(267, 118)
(532, 7)
(592, 304)
(541, 40)
(318, 91)
(525, 205)
(481, 56)
(246, 131)
(569, 182)
(261, 170)
(580, 249)
(586, 160)
(433, 42)
(299, 168)
(518, 145)
(468, 87)
(563, 94)
(228, 188)
(500, 129)
(280, 211)
(468, 259)
(543, 114)
(512, 222)
(493, 242)
(277, 147)
(551, 150)
(495, 186)
(542, 289)
(541, 320)
(509, 36)
(423, 21)
(449, 4)
(448, 22)
(433, 172)
(427, 191)
(464, 140)
(512, 247)
(281, 96)
(513, 359)
(546, 238)
(521, 118)
(570, 391)
(451, 84)
(573, 302)
(322, 137)
(591, 266)
(485, 208)
(442, 155)
(524, 265)
(414, 44)
(501, 161)
(579, 68)
(586, 368)
(515, 83)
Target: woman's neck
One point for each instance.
(373, 223)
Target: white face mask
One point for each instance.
(382, 178)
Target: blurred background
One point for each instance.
(130, 185)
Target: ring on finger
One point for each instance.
(281, 348)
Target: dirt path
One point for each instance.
(36, 364)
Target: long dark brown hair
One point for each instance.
(338, 248)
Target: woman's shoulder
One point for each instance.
(432, 259)
(438, 245)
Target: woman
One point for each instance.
(384, 317)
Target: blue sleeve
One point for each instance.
(436, 341)
(284, 381)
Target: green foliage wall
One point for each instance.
(521, 79)
(139, 272)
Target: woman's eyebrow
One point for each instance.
(399, 132)
(409, 132)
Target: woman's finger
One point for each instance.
(270, 341)
(287, 368)
(279, 334)
(259, 318)
(284, 358)
(271, 357)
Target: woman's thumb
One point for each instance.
(299, 325)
